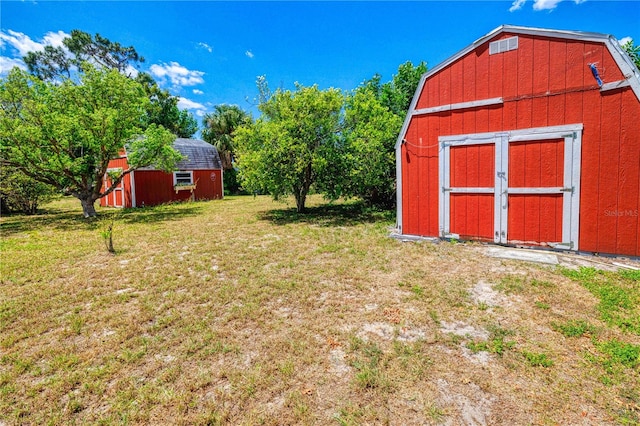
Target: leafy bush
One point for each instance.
(20, 193)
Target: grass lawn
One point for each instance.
(243, 312)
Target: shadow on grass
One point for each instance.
(65, 219)
(348, 214)
(162, 213)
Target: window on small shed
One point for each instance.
(183, 178)
(505, 45)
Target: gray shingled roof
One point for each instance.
(200, 155)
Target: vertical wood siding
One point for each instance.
(472, 167)
(155, 187)
(109, 200)
(545, 82)
(536, 217)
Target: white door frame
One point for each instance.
(119, 188)
(572, 135)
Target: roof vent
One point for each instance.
(504, 45)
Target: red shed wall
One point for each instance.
(545, 82)
(156, 187)
(209, 184)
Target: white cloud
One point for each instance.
(539, 4)
(6, 64)
(198, 109)
(55, 39)
(206, 47)
(517, 5)
(177, 74)
(548, 4)
(20, 41)
(249, 54)
(23, 43)
(545, 4)
(185, 103)
(197, 92)
(131, 71)
(625, 40)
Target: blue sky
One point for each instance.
(210, 52)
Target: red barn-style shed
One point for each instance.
(197, 177)
(526, 137)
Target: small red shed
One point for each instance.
(526, 137)
(197, 177)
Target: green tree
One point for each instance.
(79, 49)
(633, 51)
(163, 109)
(396, 94)
(56, 63)
(374, 113)
(19, 192)
(64, 134)
(286, 150)
(219, 129)
(370, 131)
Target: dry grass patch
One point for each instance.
(242, 311)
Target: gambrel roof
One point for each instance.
(200, 155)
(627, 67)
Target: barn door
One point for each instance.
(116, 197)
(519, 187)
(470, 174)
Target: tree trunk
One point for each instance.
(88, 206)
(301, 197)
(301, 193)
(227, 161)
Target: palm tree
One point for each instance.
(219, 127)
